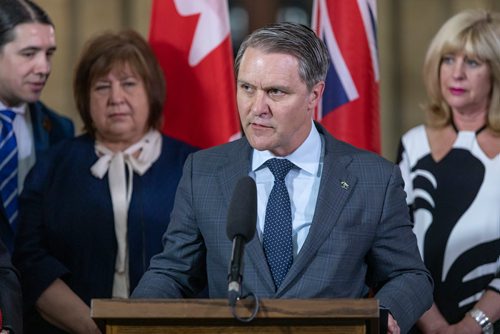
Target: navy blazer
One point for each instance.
(66, 223)
(361, 235)
(49, 128)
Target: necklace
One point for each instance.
(454, 126)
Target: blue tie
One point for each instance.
(278, 222)
(8, 166)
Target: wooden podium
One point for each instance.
(155, 316)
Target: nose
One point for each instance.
(116, 96)
(458, 70)
(259, 104)
(43, 64)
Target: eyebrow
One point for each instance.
(122, 78)
(36, 48)
(266, 88)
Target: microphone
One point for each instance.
(241, 220)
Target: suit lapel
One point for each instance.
(335, 188)
(41, 124)
(258, 258)
(235, 166)
(240, 156)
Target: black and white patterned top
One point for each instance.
(455, 204)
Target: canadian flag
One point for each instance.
(350, 104)
(191, 39)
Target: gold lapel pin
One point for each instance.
(344, 185)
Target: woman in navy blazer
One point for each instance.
(93, 210)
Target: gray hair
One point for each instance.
(293, 39)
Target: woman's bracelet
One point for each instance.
(482, 320)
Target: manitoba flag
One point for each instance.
(350, 105)
(191, 40)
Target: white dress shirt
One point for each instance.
(302, 184)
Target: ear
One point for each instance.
(316, 94)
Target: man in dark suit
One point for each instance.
(27, 43)
(346, 224)
(10, 295)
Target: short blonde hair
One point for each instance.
(477, 34)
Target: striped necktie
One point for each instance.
(8, 166)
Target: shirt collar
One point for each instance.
(20, 109)
(306, 156)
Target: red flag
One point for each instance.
(350, 105)
(191, 40)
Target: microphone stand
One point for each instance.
(235, 278)
(241, 218)
(255, 308)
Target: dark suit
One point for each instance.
(48, 129)
(10, 293)
(360, 237)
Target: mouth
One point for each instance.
(456, 91)
(37, 86)
(118, 114)
(259, 125)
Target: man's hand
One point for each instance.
(392, 325)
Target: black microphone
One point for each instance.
(241, 220)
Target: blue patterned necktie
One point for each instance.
(278, 222)
(8, 166)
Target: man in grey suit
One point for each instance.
(349, 229)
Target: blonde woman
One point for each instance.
(451, 168)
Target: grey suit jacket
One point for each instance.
(361, 235)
